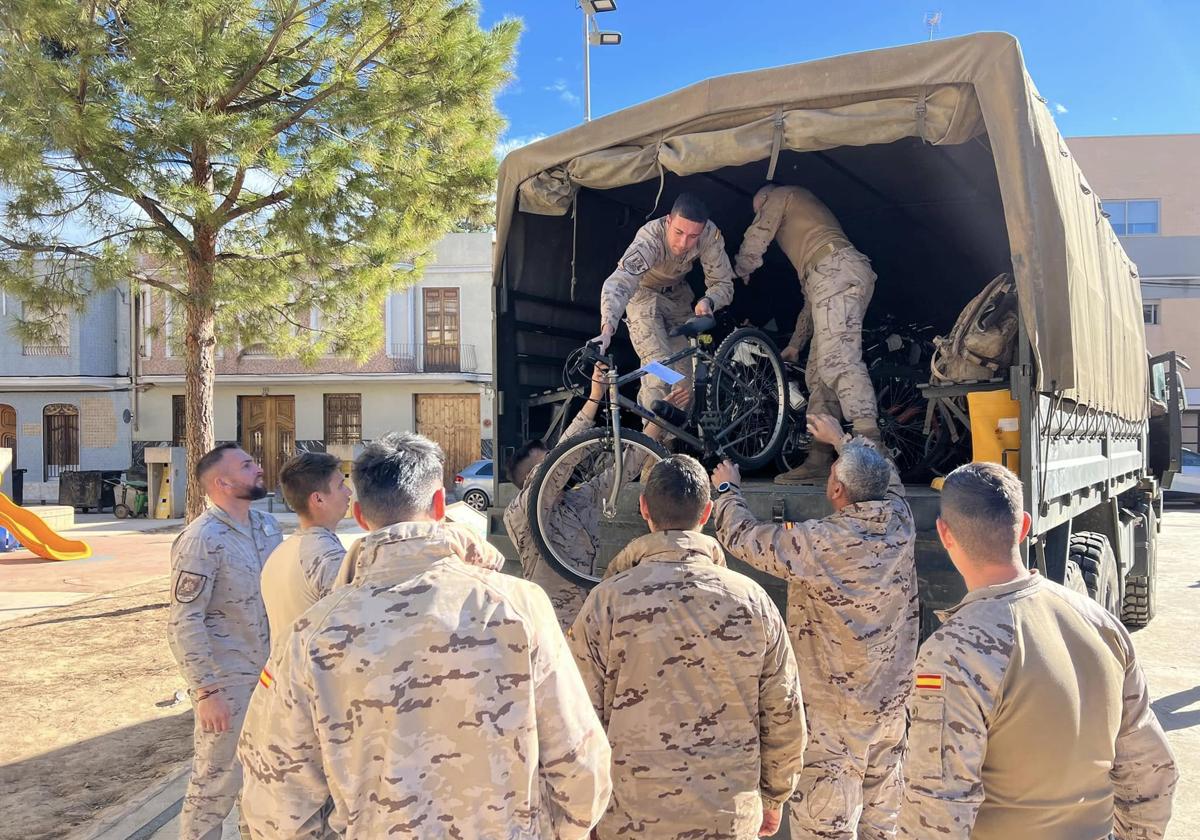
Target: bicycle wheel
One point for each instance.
(569, 499)
(901, 424)
(747, 393)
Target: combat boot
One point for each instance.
(814, 470)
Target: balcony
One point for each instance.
(434, 358)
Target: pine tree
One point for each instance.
(252, 159)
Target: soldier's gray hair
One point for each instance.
(396, 476)
(982, 504)
(864, 472)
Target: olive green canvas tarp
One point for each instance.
(1078, 291)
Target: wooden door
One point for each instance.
(452, 421)
(442, 331)
(269, 433)
(8, 430)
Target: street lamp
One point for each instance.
(592, 34)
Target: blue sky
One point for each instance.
(1106, 67)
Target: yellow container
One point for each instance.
(995, 428)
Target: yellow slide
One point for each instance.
(33, 533)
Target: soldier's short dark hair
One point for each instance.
(676, 493)
(209, 460)
(396, 476)
(305, 474)
(690, 207)
(518, 466)
(983, 505)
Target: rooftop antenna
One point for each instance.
(933, 20)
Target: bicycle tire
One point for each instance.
(547, 522)
(775, 426)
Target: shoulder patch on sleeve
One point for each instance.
(635, 263)
(188, 586)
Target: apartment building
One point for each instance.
(66, 402)
(432, 375)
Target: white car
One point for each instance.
(1185, 486)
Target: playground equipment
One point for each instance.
(33, 533)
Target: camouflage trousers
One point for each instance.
(840, 287)
(851, 785)
(216, 781)
(652, 314)
(567, 598)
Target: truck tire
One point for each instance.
(1073, 579)
(1140, 596)
(1099, 566)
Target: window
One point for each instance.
(1132, 217)
(343, 418)
(60, 439)
(58, 342)
(485, 471)
(178, 419)
(441, 330)
(1150, 313)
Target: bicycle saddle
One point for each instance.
(693, 327)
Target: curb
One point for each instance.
(142, 815)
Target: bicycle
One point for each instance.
(736, 411)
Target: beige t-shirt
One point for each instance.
(300, 572)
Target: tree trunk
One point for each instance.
(199, 368)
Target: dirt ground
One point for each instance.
(80, 729)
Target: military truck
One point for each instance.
(945, 168)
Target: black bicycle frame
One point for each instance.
(615, 398)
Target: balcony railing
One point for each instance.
(434, 358)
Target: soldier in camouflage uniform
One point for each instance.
(1030, 714)
(430, 697)
(689, 667)
(650, 287)
(218, 628)
(301, 571)
(576, 515)
(852, 614)
(837, 282)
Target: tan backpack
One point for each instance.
(983, 339)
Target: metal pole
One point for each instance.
(587, 69)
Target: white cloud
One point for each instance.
(1060, 108)
(509, 144)
(564, 92)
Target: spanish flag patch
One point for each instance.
(930, 682)
(265, 679)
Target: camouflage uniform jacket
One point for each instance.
(428, 698)
(217, 627)
(300, 572)
(689, 666)
(852, 596)
(1031, 717)
(798, 221)
(649, 262)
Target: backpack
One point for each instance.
(983, 338)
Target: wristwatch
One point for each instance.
(724, 487)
